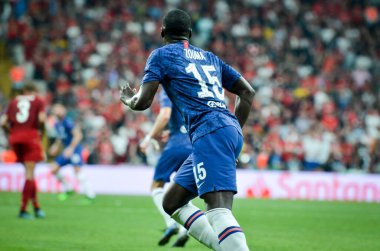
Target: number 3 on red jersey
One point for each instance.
(22, 114)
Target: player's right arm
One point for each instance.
(143, 99)
(159, 125)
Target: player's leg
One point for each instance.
(182, 153)
(177, 204)
(219, 214)
(29, 176)
(76, 161)
(157, 189)
(170, 161)
(34, 155)
(84, 185)
(20, 151)
(26, 193)
(215, 174)
(162, 171)
(55, 167)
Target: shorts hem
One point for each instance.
(217, 189)
(161, 179)
(186, 187)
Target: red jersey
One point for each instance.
(24, 137)
(23, 113)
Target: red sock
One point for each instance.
(26, 193)
(34, 197)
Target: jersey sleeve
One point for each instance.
(164, 100)
(69, 124)
(229, 75)
(153, 70)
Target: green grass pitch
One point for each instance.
(132, 223)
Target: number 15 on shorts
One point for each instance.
(199, 173)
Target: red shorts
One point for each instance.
(27, 146)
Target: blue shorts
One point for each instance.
(76, 158)
(212, 165)
(174, 154)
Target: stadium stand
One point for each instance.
(314, 64)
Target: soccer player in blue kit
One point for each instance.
(69, 136)
(194, 80)
(176, 151)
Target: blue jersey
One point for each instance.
(194, 80)
(64, 130)
(176, 125)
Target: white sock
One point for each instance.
(85, 186)
(193, 219)
(230, 235)
(181, 230)
(158, 197)
(66, 186)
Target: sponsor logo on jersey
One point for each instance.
(182, 129)
(214, 104)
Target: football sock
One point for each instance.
(26, 193)
(230, 235)
(65, 184)
(158, 195)
(193, 219)
(181, 230)
(85, 186)
(33, 196)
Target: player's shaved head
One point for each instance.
(176, 23)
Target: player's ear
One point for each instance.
(162, 32)
(190, 32)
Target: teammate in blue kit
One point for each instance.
(69, 137)
(194, 80)
(176, 151)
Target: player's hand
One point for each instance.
(68, 152)
(126, 92)
(165, 136)
(144, 144)
(156, 145)
(149, 141)
(53, 150)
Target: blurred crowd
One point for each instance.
(314, 64)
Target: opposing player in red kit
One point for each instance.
(23, 120)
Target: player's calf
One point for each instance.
(230, 235)
(224, 224)
(193, 219)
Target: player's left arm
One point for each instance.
(41, 116)
(142, 99)
(41, 122)
(244, 99)
(238, 85)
